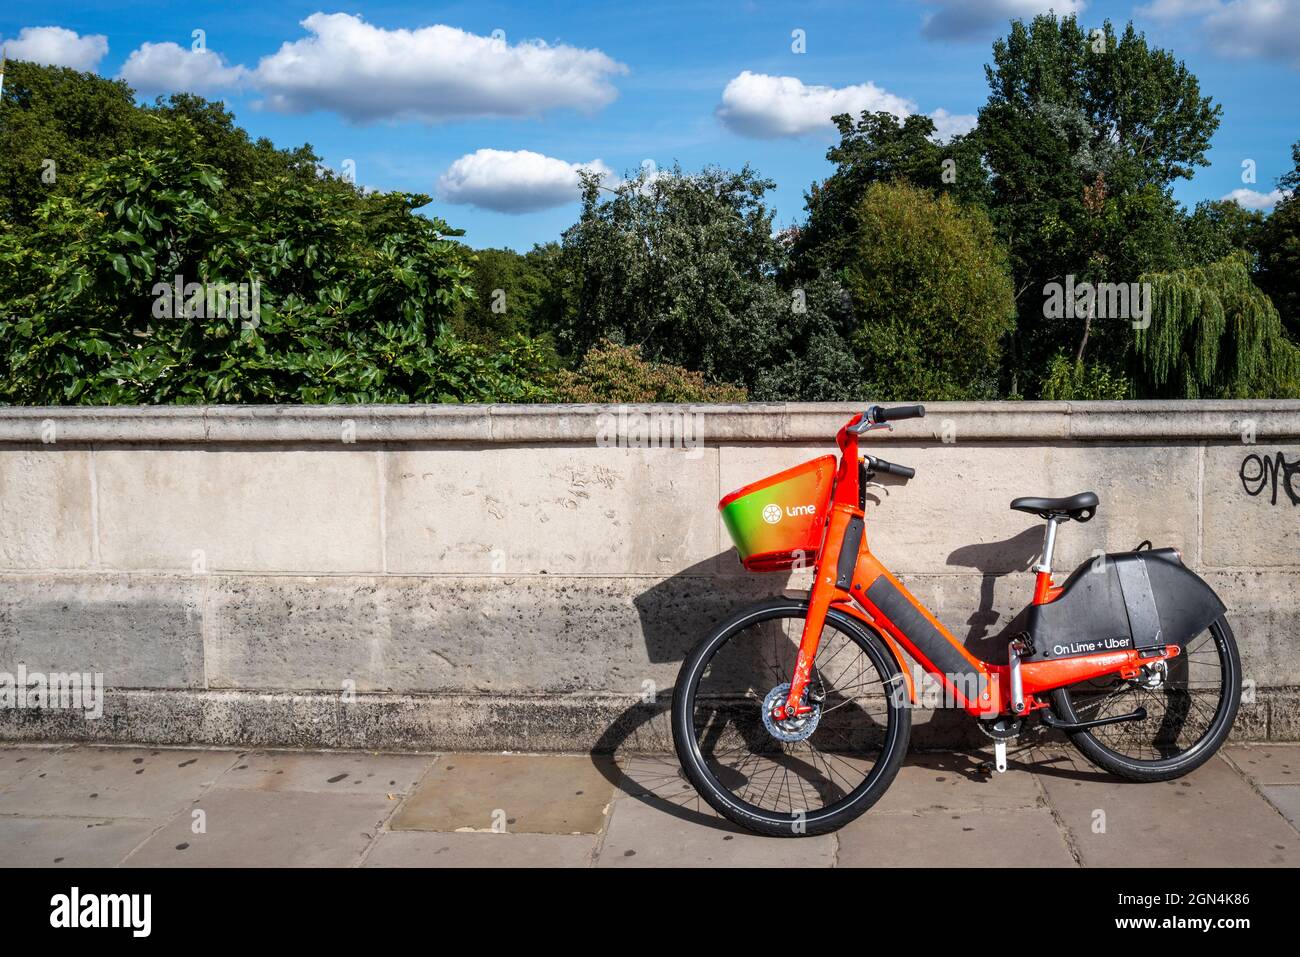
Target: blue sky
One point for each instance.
(422, 109)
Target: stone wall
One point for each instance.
(531, 577)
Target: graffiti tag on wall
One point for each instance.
(1260, 472)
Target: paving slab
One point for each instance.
(651, 774)
(434, 849)
(1286, 798)
(982, 837)
(69, 841)
(18, 762)
(115, 782)
(958, 781)
(338, 772)
(520, 793)
(268, 829)
(1267, 763)
(1209, 818)
(644, 834)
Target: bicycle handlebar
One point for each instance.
(875, 417)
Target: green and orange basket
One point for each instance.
(777, 523)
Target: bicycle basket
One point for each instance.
(776, 523)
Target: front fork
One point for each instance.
(832, 579)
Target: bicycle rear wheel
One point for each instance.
(1190, 703)
(792, 778)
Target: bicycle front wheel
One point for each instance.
(792, 778)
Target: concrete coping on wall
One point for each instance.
(1225, 420)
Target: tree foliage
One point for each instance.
(1277, 240)
(1083, 133)
(881, 148)
(512, 294)
(1213, 334)
(59, 123)
(932, 294)
(920, 271)
(676, 263)
(344, 296)
(1217, 228)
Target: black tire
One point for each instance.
(1165, 747)
(701, 722)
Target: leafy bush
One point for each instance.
(1068, 380)
(611, 373)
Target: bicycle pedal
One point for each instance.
(1000, 756)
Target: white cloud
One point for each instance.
(767, 107)
(168, 68)
(1240, 29)
(978, 19)
(947, 125)
(518, 181)
(55, 46)
(430, 74)
(1253, 199)
(1267, 29)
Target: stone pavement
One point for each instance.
(109, 806)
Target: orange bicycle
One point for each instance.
(793, 717)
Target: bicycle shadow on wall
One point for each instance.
(674, 614)
(677, 612)
(994, 561)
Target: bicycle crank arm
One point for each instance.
(1052, 721)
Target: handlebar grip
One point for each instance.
(891, 468)
(900, 412)
(902, 471)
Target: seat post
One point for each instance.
(1049, 545)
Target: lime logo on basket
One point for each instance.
(772, 514)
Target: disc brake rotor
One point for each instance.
(792, 729)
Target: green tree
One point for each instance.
(1217, 228)
(57, 123)
(1278, 242)
(1083, 134)
(932, 294)
(241, 162)
(677, 264)
(511, 294)
(877, 148)
(1214, 335)
(815, 359)
(344, 297)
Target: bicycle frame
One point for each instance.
(848, 577)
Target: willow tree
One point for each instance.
(1213, 334)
